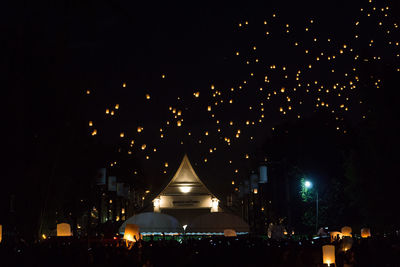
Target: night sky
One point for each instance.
(134, 87)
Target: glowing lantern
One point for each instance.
(122, 135)
(346, 243)
(335, 235)
(328, 254)
(124, 85)
(64, 229)
(131, 232)
(156, 204)
(1, 232)
(346, 231)
(143, 146)
(147, 96)
(365, 232)
(229, 232)
(214, 205)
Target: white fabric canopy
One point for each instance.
(151, 222)
(217, 222)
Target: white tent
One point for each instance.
(216, 223)
(152, 222)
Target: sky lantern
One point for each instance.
(139, 129)
(346, 243)
(328, 254)
(122, 134)
(88, 92)
(365, 232)
(64, 229)
(229, 232)
(1, 233)
(90, 123)
(346, 231)
(94, 132)
(143, 146)
(131, 232)
(123, 85)
(147, 96)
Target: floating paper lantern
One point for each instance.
(131, 231)
(64, 229)
(335, 236)
(346, 243)
(1, 232)
(365, 232)
(346, 231)
(328, 254)
(229, 232)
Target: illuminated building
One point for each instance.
(186, 196)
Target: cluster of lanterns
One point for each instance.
(346, 242)
(289, 87)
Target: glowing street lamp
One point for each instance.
(308, 184)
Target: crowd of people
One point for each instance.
(195, 251)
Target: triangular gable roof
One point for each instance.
(185, 176)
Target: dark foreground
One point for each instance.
(211, 251)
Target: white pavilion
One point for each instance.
(185, 196)
(186, 203)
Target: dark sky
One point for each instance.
(55, 52)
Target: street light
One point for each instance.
(308, 185)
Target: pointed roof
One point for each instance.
(185, 176)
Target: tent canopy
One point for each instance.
(217, 222)
(151, 222)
